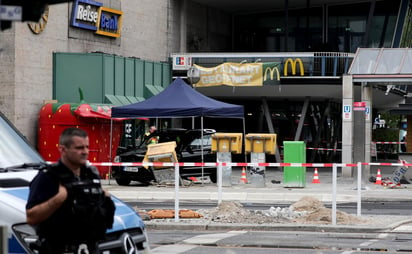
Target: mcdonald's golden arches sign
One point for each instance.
(294, 64)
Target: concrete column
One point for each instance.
(367, 98)
(183, 26)
(347, 124)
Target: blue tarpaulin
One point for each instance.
(178, 100)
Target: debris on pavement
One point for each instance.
(170, 213)
(308, 210)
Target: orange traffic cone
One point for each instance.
(243, 178)
(378, 177)
(316, 176)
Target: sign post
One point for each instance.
(359, 138)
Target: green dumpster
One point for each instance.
(294, 152)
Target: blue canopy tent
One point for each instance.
(178, 100)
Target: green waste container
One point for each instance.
(294, 152)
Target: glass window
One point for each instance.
(197, 143)
(346, 28)
(14, 150)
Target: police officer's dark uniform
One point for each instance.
(84, 216)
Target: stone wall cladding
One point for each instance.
(29, 56)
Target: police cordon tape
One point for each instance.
(324, 149)
(390, 143)
(321, 149)
(242, 164)
(338, 150)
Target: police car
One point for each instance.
(18, 165)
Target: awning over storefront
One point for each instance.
(382, 65)
(403, 109)
(119, 100)
(152, 90)
(92, 110)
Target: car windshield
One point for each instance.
(198, 142)
(14, 149)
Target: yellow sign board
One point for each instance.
(261, 143)
(227, 142)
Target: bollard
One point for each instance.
(257, 173)
(258, 144)
(3, 239)
(225, 144)
(226, 170)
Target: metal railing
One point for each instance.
(322, 64)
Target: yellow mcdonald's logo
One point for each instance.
(271, 72)
(293, 64)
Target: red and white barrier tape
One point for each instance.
(390, 143)
(241, 164)
(338, 150)
(324, 149)
(321, 149)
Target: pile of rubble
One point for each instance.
(307, 210)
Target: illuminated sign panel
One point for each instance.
(294, 64)
(182, 62)
(85, 14)
(110, 22)
(91, 15)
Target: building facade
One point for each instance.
(147, 32)
(322, 33)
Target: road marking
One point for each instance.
(212, 238)
(372, 241)
(194, 242)
(364, 244)
(172, 249)
(383, 236)
(403, 228)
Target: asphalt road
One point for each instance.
(239, 242)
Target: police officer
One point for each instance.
(67, 205)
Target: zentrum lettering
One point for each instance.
(86, 13)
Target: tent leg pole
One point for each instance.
(110, 149)
(201, 123)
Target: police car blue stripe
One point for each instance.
(14, 246)
(21, 193)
